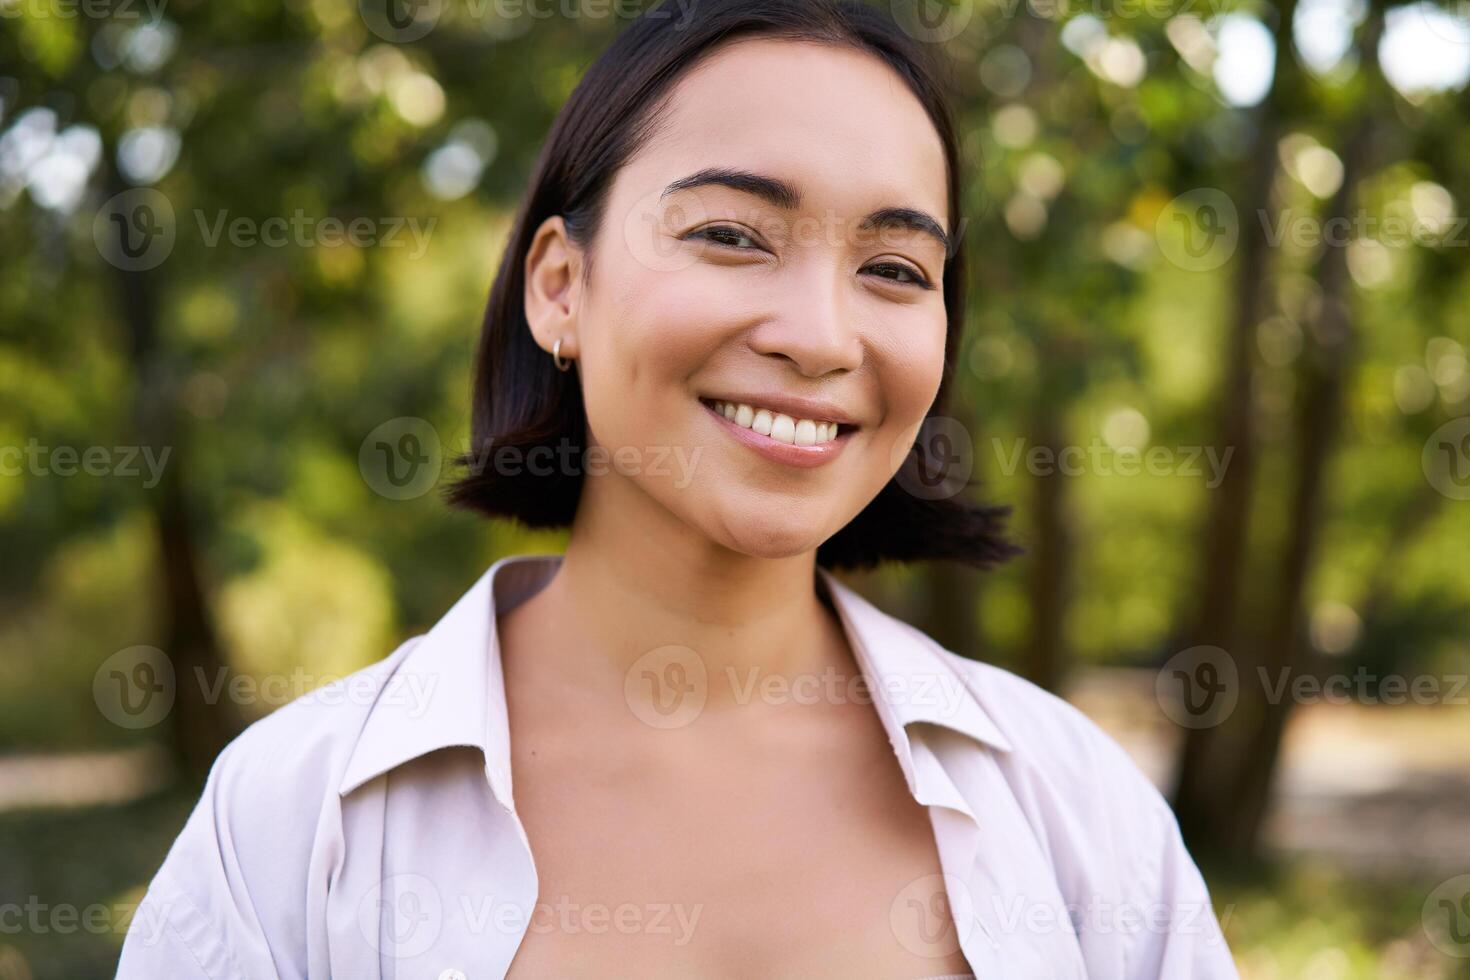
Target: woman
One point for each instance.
(732, 298)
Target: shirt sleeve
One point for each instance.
(199, 917)
(1174, 933)
(170, 937)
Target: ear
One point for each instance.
(553, 291)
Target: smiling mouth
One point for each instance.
(777, 426)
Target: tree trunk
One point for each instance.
(1239, 756)
(1050, 558)
(198, 729)
(1200, 803)
(950, 593)
(1326, 365)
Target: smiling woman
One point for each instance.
(774, 180)
(740, 245)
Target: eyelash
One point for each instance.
(711, 230)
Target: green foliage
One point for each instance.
(276, 362)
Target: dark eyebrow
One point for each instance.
(772, 189)
(908, 218)
(783, 195)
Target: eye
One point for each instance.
(726, 236)
(900, 273)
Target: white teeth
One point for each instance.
(782, 428)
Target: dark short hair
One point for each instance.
(522, 403)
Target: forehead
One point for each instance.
(837, 122)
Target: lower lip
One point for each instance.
(783, 452)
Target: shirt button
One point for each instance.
(453, 974)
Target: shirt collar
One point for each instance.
(456, 668)
(458, 664)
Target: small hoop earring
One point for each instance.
(556, 357)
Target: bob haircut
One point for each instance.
(523, 403)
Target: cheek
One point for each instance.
(645, 333)
(913, 366)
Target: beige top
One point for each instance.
(306, 855)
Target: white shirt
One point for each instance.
(334, 838)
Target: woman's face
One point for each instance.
(714, 293)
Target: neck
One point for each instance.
(636, 579)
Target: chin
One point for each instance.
(771, 539)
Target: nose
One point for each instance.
(812, 325)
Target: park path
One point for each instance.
(1376, 789)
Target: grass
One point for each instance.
(1310, 920)
(76, 876)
